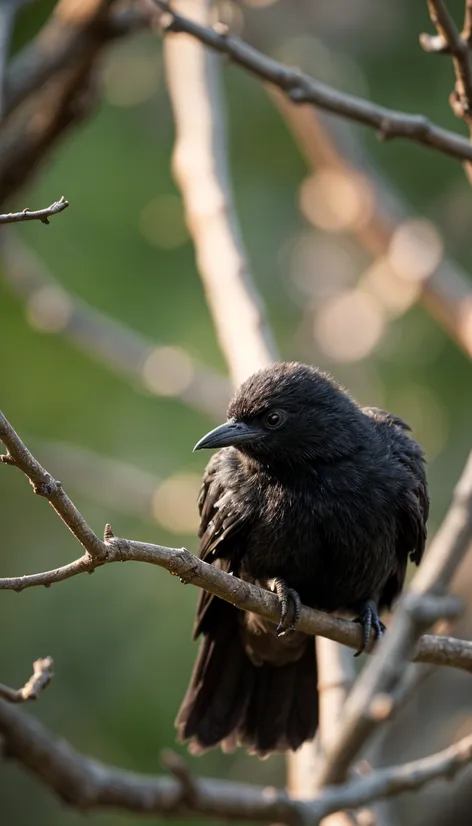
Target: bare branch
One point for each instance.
(302, 88)
(179, 562)
(385, 673)
(42, 675)
(42, 215)
(201, 169)
(89, 785)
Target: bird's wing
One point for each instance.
(222, 519)
(413, 505)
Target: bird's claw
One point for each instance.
(289, 599)
(370, 621)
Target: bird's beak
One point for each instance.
(229, 433)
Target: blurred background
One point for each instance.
(110, 370)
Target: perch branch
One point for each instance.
(302, 88)
(42, 675)
(42, 215)
(180, 562)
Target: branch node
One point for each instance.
(48, 487)
(108, 533)
(177, 766)
(7, 459)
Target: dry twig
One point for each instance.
(42, 215)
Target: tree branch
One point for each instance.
(302, 88)
(180, 562)
(42, 215)
(89, 785)
(42, 675)
(201, 169)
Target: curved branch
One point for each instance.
(302, 88)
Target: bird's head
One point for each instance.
(290, 413)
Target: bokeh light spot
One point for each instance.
(49, 309)
(130, 77)
(415, 250)
(174, 504)
(395, 294)
(349, 326)
(167, 371)
(162, 222)
(336, 200)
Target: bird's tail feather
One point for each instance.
(231, 700)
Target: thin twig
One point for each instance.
(42, 675)
(180, 562)
(42, 215)
(302, 88)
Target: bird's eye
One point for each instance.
(274, 419)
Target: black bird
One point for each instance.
(319, 499)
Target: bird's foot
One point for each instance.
(289, 599)
(370, 621)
